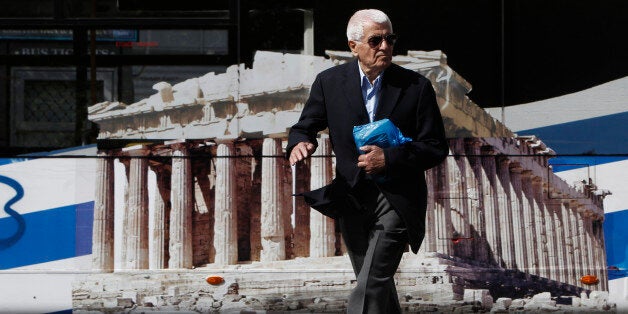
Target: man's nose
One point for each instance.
(384, 45)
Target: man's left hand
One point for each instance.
(373, 161)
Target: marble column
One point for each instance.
(576, 233)
(582, 242)
(597, 262)
(461, 199)
(555, 263)
(322, 228)
(506, 212)
(136, 215)
(272, 224)
(601, 252)
(121, 199)
(159, 210)
(226, 214)
(588, 242)
(569, 238)
(249, 204)
(600, 265)
(518, 218)
(103, 235)
(532, 265)
(477, 216)
(554, 207)
(490, 206)
(442, 216)
(456, 194)
(181, 196)
(429, 243)
(540, 228)
(299, 230)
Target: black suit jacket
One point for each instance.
(409, 101)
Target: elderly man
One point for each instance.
(378, 217)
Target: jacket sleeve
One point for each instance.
(312, 120)
(429, 146)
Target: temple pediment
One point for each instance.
(267, 99)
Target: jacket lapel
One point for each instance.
(353, 91)
(389, 96)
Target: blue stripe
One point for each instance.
(564, 163)
(84, 224)
(62, 312)
(6, 161)
(49, 235)
(615, 234)
(601, 135)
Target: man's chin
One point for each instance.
(384, 60)
(384, 65)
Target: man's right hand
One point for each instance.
(301, 151)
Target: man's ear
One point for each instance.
(352, 45)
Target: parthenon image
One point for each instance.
(200, 187)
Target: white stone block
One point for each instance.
(258, 123)
(130, 295)
(165, 91)
(487, 301)
(152, 300)
(481, 295)
(125, 303)
(189, 88)
(503, 302)
(542, 297)
(471, 295)
(548, 308)
(532, 306)
(97, 107)
(517, 303)
(173, 291)
(589, 303)
(223, 288)
(155, 103)
(599, 295)
(109, 302)
(182, 100)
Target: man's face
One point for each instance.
(374, 58)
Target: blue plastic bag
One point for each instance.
(382, 133)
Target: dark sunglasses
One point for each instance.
(376, 40)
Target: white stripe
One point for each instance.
(618, 293)
(602, 100)
(36, 293)
(49, 183)
(606, 177)
(78, 264)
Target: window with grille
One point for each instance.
(43, 109)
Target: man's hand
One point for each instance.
(301, 151)
(373, 161)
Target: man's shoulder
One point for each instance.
(338, 70)
(401, 71)
(398, 73)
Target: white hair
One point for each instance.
(355, 27)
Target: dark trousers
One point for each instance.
(375, 237)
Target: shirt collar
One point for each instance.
(365, 80)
